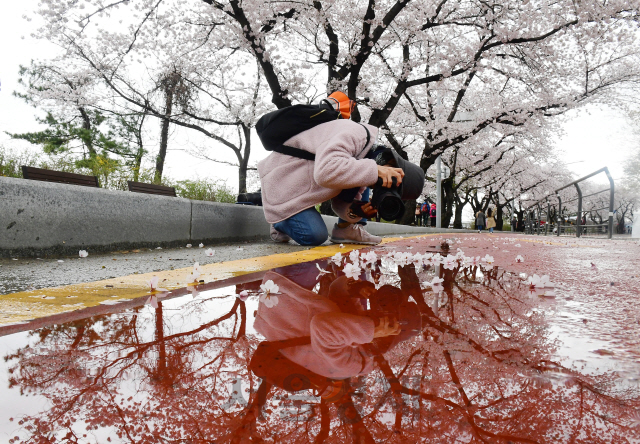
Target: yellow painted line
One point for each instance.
(28, 305)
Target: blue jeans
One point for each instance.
(307, 227)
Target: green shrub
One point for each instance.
(113, 175)
(10, 162)
(205, 189)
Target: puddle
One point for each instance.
(310, 357)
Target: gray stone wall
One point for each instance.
(43, 218)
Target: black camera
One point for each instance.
(389, 201)
(250, 198)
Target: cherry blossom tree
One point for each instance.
(508, 60)
(162, 65)
(434, 74)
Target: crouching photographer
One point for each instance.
(334, 158)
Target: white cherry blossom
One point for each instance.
(352, 271)
(269, 290)
(540, 281)
(153, 285)
(337, 259)
(269, 287)
(194, 275)
(369, 258)
(243, 295)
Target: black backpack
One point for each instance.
(278, 126)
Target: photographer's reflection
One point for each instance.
(314, 341)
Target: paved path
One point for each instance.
(495, 361)
(37, 288)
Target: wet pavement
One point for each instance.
(465, 339)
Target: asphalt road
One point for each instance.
(29, 273)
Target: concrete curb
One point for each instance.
(41, 218)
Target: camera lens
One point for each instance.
(390, 207)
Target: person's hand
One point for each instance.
(362, 209)
(368, 210)
(388, 173)
(386, 328)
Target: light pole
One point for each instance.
(440, 171)
(438, 192)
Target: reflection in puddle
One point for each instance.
(312, 355)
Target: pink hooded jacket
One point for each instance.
(291, 185)
(336, 337)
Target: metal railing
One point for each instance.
(559, 221)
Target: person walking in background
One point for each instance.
(424, 209)
(433, 214)
(480, 220)
(418, 214)
(491, 221)
(514, 224)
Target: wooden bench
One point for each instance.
(32, 173)
(147, 188)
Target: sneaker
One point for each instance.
(278, 236)
(353, 234)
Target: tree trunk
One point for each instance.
(86, 124)
(409, 215)
(242, 178)
(620, 225)
(244, 160)
(161, 363)
(136, 167)
(457, 220)
(141, 152)
(498, 218)
(520, 215)
(448, 197)
(164, 135)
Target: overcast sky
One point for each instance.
(594, 138)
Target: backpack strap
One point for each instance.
(306, 155)
(368, 136)
(294, 152)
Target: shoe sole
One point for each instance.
(351, 241)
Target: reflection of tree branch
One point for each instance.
(253, 412)
(325, 423)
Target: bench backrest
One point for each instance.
(139, 187)
(32, 173)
